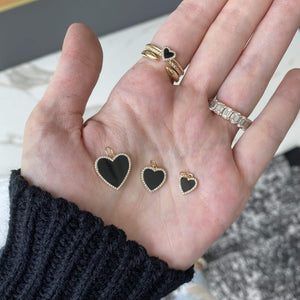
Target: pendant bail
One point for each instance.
(186, 174)
(153, 164)
(109, 152)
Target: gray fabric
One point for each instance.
(259, 255)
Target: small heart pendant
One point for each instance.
(113, 169)
(187, 182)
(168, 54)
(153, 177)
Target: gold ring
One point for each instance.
(167, 55)
(229, 114)
(174, 69)
(171, 72)
(150, 54)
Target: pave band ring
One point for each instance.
(155, 53)
(229, 114)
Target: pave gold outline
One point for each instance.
(188, 178)
(163, 53)
(112, 159)
(153, 169)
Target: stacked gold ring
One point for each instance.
(174, 69)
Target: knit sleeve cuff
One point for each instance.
(56, 251)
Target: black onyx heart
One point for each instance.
(168, 54)
(113, 171)
(187, 185)
(153, 178)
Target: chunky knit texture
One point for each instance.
(56, 251)
(258, 257)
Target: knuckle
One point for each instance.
(192, 11)
(271, 131)
(38, 119)
(234, 20)
(251, 64)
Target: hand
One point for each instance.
(150, 119)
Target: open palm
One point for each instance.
(148, 118)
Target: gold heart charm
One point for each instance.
(187, 182)
(113, 169)
(153, 177)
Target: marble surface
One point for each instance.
(22, 87)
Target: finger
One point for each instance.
(223, 44)
(248, 80)
(257, 146)
(76, 74)
(185, 28)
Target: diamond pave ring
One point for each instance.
(229, 114)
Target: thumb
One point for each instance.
(76, 74)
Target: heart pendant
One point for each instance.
(187, 182)
(168, 54)
(113, 169)
(153, 177)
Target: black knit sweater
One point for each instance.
(55, 251)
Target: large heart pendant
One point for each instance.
(113, 169)
(153, 177)
(187, 182)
